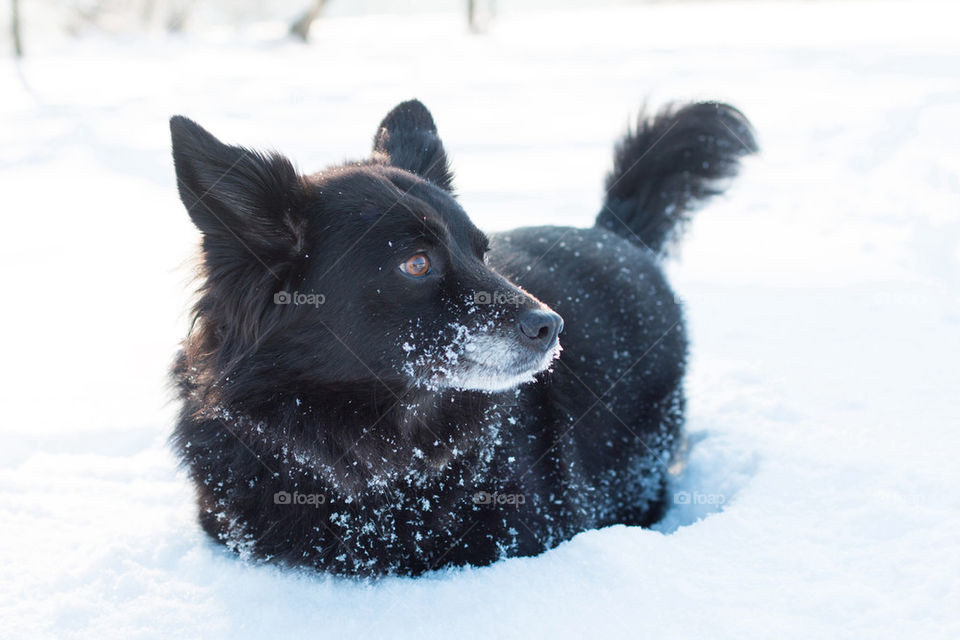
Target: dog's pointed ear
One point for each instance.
(244, 202)
(407, 139)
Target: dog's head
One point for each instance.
(365, 271)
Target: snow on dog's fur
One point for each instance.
(364, 361)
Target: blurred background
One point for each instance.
(854, 103)
(822, 295)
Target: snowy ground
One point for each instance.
(823, 298)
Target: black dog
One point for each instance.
(373, 386)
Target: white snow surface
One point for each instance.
(823, 299)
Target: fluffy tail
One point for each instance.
(668, 166)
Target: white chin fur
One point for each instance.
(487, 366)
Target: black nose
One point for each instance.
(540, 327)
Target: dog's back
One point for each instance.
(601, 429)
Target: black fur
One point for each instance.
(407, 138)
(670, 164)
(395, 423)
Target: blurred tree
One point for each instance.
(121, 16)
(301, 26)
(478, 16)
(15, 27)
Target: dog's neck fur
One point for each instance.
(410, 435)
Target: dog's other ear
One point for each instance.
(407, 139)
(244, 202)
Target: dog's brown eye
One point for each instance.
(416, 266)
